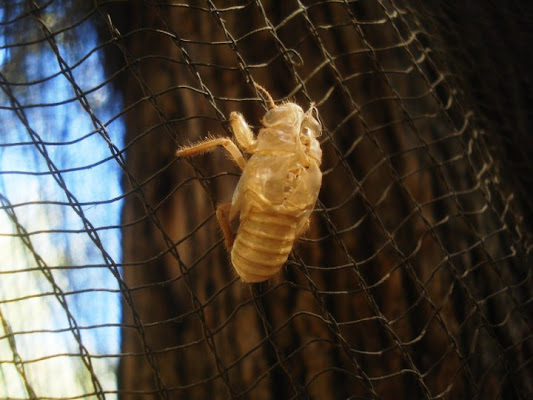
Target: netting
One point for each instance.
(414, 278)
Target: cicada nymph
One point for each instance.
(278, 188)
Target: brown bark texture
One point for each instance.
(413, 280)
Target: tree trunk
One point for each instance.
(412, 281)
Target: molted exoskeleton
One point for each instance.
(277, 190)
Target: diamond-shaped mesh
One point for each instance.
(414, 279)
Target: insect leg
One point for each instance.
(210, 144)
(242, 132)
(266, 94)
(223, 221)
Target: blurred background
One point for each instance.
(415, 278)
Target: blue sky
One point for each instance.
(26, 299)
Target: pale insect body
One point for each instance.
(277, 190)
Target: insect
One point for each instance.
(277, 190)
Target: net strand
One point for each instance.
(427, 287)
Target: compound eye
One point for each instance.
(311, 127)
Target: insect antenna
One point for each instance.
(266, 94)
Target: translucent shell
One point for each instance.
(278, 188)
(276, 193)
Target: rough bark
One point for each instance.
(413, 278)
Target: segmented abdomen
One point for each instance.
(262, 245)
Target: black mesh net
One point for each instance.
(414, 278)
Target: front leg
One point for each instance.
(242, 132)
(210, 144)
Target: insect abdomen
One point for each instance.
(262, 245)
